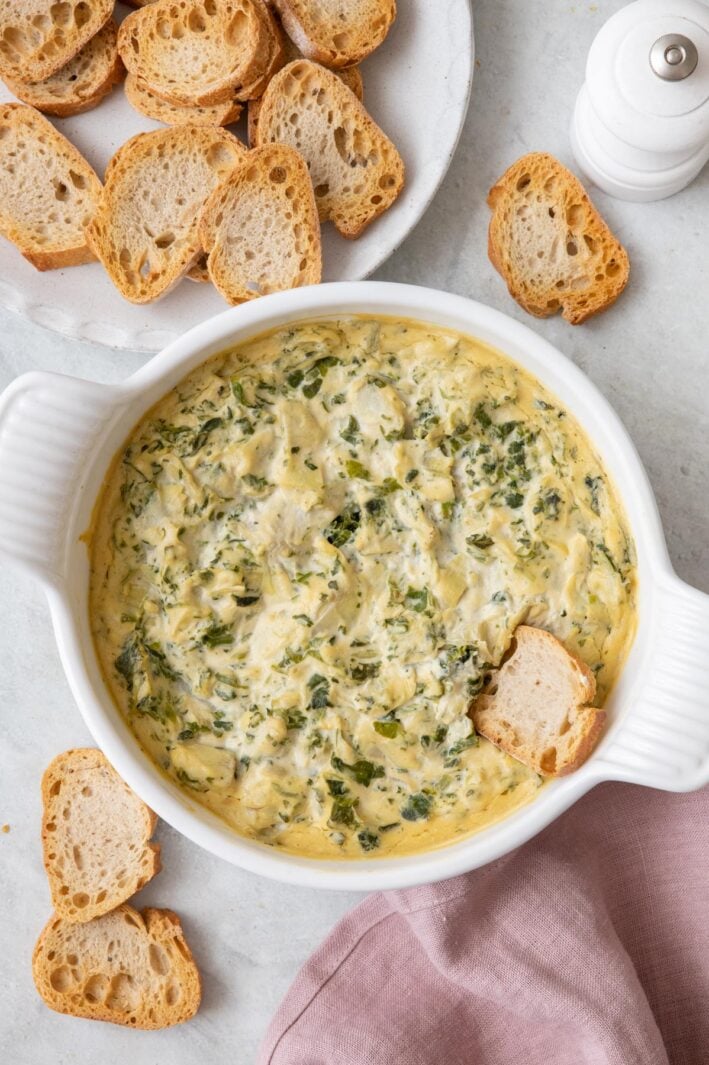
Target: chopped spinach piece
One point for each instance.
(479, 540)
(351, 431)
(360, 671)
(438, 736)
(127, 661)
(368, 841)
(503, 431)
(160, 707)
(203, 433)
(474, 685)
(426, 418)
(158, 661)
(319, 699)
(374, 506)
(462, 745)
(418, 807)
(356, 469)
(343, 811)
(320, 688)
(221, 725)
(388, 485)
(191, 729)
(255, 482)
(608, 556)
(323, 365)
(218, 635)
(364, 772)
(416, 599)
(344, 526)
(388, 729)
(452, 657)
(482, 416)
(549, 505)
(245, 425)
(594, 485)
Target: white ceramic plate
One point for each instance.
(416, 87)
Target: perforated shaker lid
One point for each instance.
(648, 75)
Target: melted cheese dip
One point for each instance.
(310, 554)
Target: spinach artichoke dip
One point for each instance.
(308, 556)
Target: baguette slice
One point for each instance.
(337, 33)
(125, 967)
(260, 228)
(48, 192)
(196, 54)
(349, 76)
(39, 37)
(82, 83)
(276, 58)
(145, 228)
(550, 244)
(95, 836)
(356, 171)
(147, 103)
(536, 708)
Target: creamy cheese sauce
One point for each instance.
(310, 554)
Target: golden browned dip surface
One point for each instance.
(310, 552)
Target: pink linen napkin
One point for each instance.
(587, 946)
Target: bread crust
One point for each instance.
(336, 43)
(147, 103)
(541, 214)
(277, 58)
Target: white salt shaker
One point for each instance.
(640, 129)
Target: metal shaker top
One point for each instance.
(648, 75)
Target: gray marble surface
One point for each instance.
(649, 355)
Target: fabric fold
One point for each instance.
(587, 946)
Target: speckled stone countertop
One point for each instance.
(649, 355)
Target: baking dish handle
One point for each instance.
(663, 741)
(48, 425)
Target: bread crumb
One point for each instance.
(6, 829)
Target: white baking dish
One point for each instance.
(58, 435)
